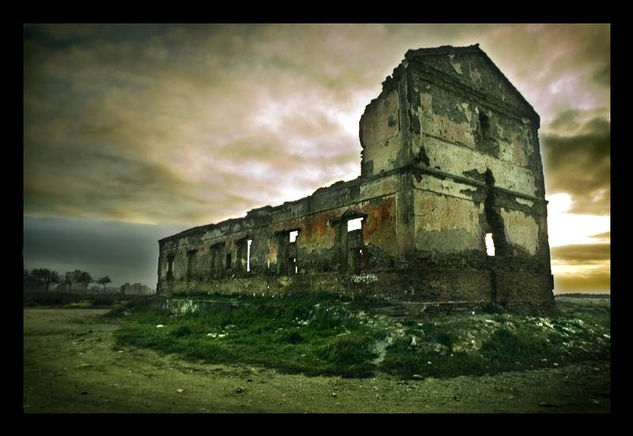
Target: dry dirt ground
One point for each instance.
(72, 364)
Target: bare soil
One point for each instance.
(72, 364)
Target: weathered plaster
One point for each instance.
(450, 153)
(445, 224)
(521, 230)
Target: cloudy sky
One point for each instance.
(135, 132)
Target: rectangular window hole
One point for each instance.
(354, 224)
(490, 245)
(248, 254)
(293, 235)
(170, 266)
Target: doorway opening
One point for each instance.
(355, 244)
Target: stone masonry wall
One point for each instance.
(450, 154)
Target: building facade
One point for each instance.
(450, 161)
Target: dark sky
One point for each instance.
(126, 252)
(134, 132)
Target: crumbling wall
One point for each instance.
(453, 140)
(321, 244)
(446, 224)
(471, 67)
(479, 171)
(450, 154)
(381, 135)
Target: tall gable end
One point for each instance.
(472, 68)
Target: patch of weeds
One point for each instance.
(292, 337)
(439, 333)
(350, 355)
(324, 334)
(181, 330)
(430, 359)
(312, 333)
(504, 347)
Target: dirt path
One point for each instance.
(71, 364)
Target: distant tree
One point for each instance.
(84, 278)
(29, 283)
(28, 280)
(104, 281)
(45, 277)
(53, 279)
(69, 279)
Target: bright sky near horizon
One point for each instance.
(133, 132)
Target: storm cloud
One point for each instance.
(196, 123)
(577, 160)
(582, 254)
(125, 252)
(185, 125)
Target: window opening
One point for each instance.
(484, 122)
(214, 255)
(490, 245)
(216, 259)
(248, 254)
(287, 253)
(293, 235)
(242, 257)
(228, 261)
(191, 258)
(355, 244)
(354, 224)
(170, 266)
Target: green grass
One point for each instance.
(492, 343)
(324, 334)
(314, 334)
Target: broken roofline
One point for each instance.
(414, 56)
(341, 184)
(266, 210)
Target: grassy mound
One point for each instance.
(323, 334)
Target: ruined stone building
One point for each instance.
(450, 170)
